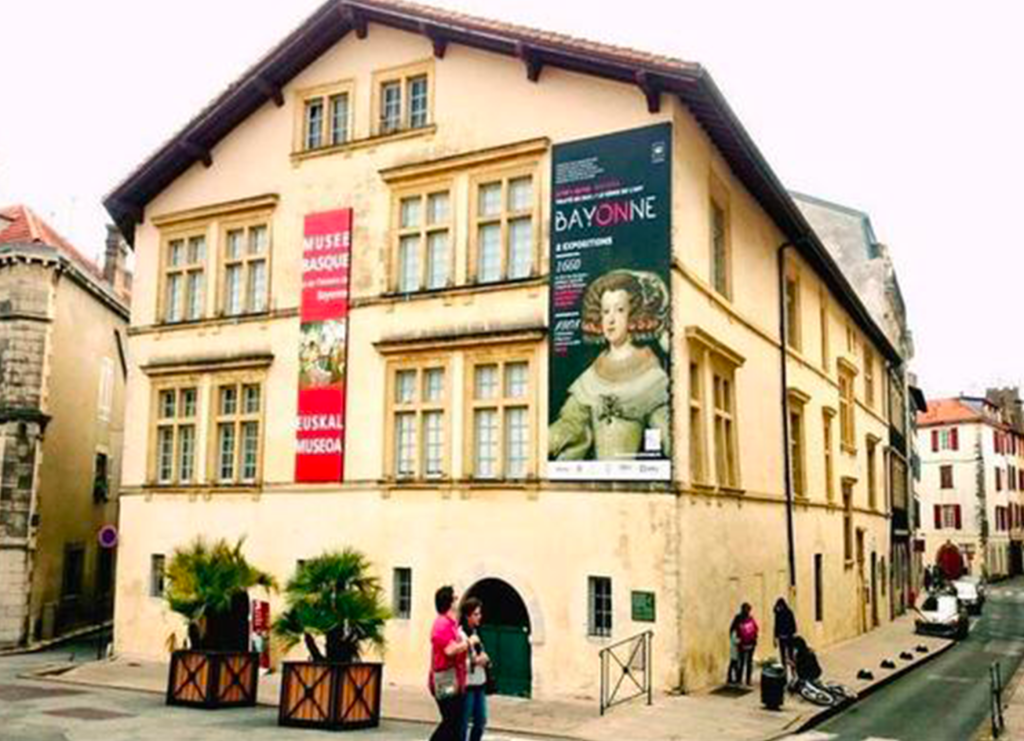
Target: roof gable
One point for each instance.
(21, 225)
(653, 75)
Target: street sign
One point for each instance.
(107, 536)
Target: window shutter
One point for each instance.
(935, 441)
(938, 517)
(954, 441)
(995, 440)
(999, 479)
(956, 515)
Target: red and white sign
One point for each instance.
(326, 257)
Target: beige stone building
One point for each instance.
(63, 366)
(438, 131)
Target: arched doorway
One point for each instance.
(506, 634)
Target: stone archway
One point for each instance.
(506, 632)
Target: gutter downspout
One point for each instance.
(787, 465)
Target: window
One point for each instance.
(847, 427)
(999, 479)
(898, 478)
(726, 464)
(796, 448)
(156, 575)
(851, 339)
(600, 599)
(697, 462)
(869, 377)
(948, 517)
(504, 229)
(105, 572)
(872, 448)
(423, 255)
(101, 479)
(74, 566)
(326, 116)
(402, 99)
(183, 277)
(719, 250)
(176, 417)
(246, 250)
(402, 593)
(419, 398)
(236, 432)
(945, 439)
(823, 320)
(848, 521)
(105, 399)
(501, 427)
(793, 312)
(819, 588)
(897, 405)
(826, 423)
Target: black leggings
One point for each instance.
(450, 728)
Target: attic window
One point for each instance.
(324, 117)
(402, 98)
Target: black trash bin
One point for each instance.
(773, 685)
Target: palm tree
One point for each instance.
(208, 585)
(334, 596)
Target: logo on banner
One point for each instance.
(326, 261)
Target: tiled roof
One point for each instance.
(26, 227)
(947, 411)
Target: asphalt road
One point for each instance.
(33, 710)
(948, 698)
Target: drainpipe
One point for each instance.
(783, 364)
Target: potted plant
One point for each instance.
(208, 585)
(333, 599)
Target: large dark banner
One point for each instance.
(609, 345)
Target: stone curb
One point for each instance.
(826, 713)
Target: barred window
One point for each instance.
(599, 590)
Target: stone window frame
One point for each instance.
(719, 366)
(401, 588)
(828, 415)
(423, 190)
(326, 95)
(600, 606)
(250, 303)
(402, 75)
(797, 401)
(793, 308)
(871, 444)
(870, 395)
(240, 380)
(420, 407)
(847, 407)
(502, 357)
(210, 221)
(185, 235)
(177, 386)
(504, 176)
(718, 202)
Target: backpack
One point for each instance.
(747, 631)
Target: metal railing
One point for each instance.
(626, 670)
(995, 675)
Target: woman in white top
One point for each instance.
(471, 614)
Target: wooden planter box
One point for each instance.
(332, 696)
(213, 679)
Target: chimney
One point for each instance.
(115, 259)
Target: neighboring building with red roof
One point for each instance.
(62, 378)
(972, 483)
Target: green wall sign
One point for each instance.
(643, 607)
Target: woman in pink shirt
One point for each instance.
(448, 646)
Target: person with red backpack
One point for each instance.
(744, 627)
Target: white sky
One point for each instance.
(911, 111)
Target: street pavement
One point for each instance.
(32, 710)
(949, 699)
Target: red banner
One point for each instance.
(326, 256)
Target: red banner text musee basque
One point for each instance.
(320, 435)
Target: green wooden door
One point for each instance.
(509, 649)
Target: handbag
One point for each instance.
(446, 684)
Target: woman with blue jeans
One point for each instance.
(471, 615)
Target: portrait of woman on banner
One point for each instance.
(618, 408)
(322, 354)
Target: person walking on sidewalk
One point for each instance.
(448, 647)
(471, 614)
(785, 631)
(746, 632)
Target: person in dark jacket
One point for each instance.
(785, 630)
(806, 661)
